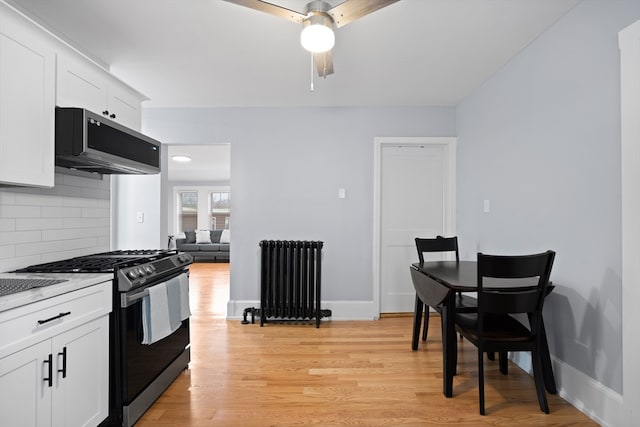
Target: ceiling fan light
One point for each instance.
(317, 36)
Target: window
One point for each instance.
(200, 208)
(187, 210)
(220, 210)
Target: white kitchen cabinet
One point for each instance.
(27, 103)
(25, 400)
(55, 373)
(81, 83)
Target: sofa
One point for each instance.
(205, 245)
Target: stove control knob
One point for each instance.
(141, 271)
(149, 269)
(132, 274)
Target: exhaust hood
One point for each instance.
(86, 141)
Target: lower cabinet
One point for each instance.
(60, 382)
(26, 399)
(54, 360)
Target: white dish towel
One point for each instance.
(155, 314)
(184, 296)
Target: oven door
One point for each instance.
(141, 365)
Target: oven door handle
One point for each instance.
(128, 299)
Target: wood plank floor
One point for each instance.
(356, 373)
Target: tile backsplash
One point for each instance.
(47, 224)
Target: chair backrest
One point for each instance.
(514, 295)
(439, 244)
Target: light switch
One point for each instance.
(140, 216)
(342, 193)
(486, 206)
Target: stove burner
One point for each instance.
(101, 262)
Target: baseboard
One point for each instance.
(595, 400)
(340, 310)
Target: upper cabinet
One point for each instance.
(80, 83)
(27, 103)
(30, 89)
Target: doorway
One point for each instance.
(414, 195)
(198, 197)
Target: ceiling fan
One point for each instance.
(319, 19)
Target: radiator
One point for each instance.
(290, 281)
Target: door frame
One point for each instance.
(450, 219)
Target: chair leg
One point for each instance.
(539, 381)
(481, 380)
(426, 323)
(460, 296)
(417, 321)
(503, 358)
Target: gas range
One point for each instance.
(132, 268)
(139, 371)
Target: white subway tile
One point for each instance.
(8, 251)
(80, 202)
(61, 212)
(77, 233)
(70, 223)
(14, 237)
(11, 264)
(7, 198)
(79, 181)
(38, 223)
(42, 225)
(37, 200)
(95, 213)
(7, 224)
(12, 211)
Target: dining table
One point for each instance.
(438, 287)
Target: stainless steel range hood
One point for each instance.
(86, 141)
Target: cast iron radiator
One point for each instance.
(290, 279)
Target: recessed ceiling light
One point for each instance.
(181, 159)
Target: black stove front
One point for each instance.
(138, 372)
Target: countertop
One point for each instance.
(74, 281)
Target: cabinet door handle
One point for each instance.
(113, 116)
(64, 362)
(49, 361)
(105, 112)
(40, 322)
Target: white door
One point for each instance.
(416, 200)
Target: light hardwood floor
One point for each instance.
(356, 373)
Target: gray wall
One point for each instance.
(286, 167)
(541, 141)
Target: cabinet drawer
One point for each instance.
(35, 322)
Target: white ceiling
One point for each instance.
(208, 163)
(214, 53)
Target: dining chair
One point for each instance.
(493, 328)
(464, 303)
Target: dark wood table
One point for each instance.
(441, 281)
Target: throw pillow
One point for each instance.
(215, 236)
(225, 236)
(191, 236)
(203, 236)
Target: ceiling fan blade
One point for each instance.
(324, 63)
(350, 10)
(271, 9)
